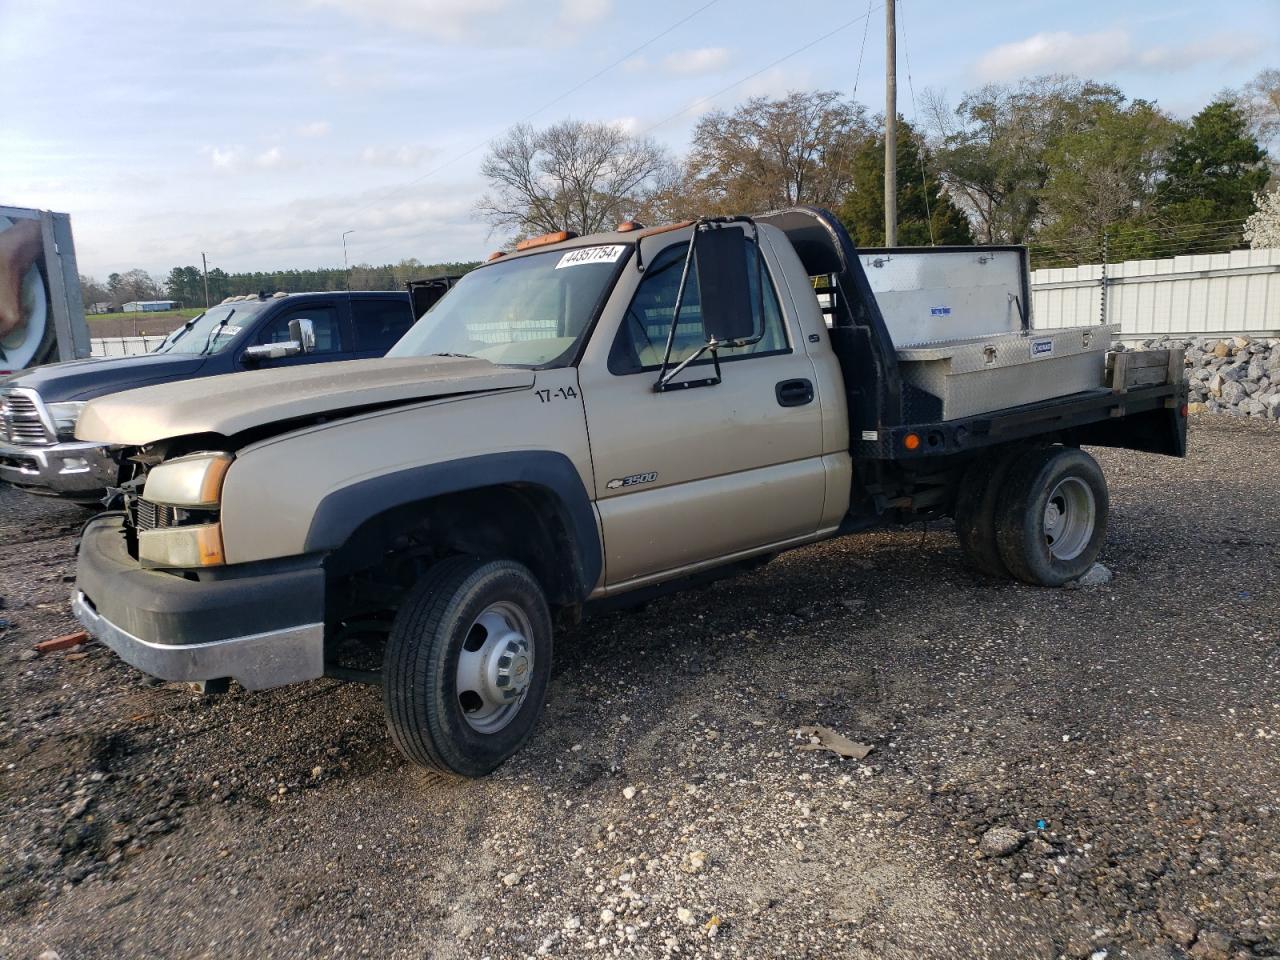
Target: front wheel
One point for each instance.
(1052, 516)
(466, 666)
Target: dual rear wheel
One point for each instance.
(1039, 514)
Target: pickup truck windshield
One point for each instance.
(208, 334)
(528, 312)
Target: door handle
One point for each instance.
(794, 393)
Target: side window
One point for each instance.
(642, 339)
(380, 323)
(323, 317)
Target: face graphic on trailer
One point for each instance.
(27, 336)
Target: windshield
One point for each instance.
(213, 330)
(529, 312)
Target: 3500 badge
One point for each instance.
(631, 481)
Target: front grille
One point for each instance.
(153, 516)
(20, 420)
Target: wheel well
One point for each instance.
(523, 522)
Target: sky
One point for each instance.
(258, 131)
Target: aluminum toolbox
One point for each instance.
(952, 379)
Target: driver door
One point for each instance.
(693, 476)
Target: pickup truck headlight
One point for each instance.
(191, 481)
(193, 485)
(64, 416)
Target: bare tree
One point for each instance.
(573, 175)
(772, 153)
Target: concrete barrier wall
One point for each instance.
(1193, 296)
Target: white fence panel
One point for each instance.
(123, 346)
(1198, 295)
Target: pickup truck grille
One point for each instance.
(20, 419)
(153, 516)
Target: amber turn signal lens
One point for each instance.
(628, 225)
(911, 441)
(560, 236)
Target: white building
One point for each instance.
(148, 306)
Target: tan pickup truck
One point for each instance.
(585, 422)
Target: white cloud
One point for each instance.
(1062, 50)
(1226, 47)
(635, 65)
(317, 128)
(582, 12)
(702, 60)
(268, 158)
(628, 125)
(1105, 51)
(224, 158)
(405, 155)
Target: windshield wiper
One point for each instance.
(464, 356)
(214, 333)
(178, 334)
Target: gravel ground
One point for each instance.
(1078, 773)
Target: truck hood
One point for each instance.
(237, 402)
(86, 379)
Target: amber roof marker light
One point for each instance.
(560, 236)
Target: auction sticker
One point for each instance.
(576, 258)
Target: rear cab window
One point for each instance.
(379, 323)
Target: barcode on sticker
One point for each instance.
(576, 258)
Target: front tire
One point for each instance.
(1052, 517)
(466, 666)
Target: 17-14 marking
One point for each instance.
(563, 393)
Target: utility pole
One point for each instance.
(890, 126)
(204, 261)
(346, 266)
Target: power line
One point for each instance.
(392, 191)
(723, 90)
(751, 76)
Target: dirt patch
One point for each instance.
(1129, 732)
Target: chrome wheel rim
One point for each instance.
(1069, 517)
(495, 667)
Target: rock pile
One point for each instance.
(1239, 376)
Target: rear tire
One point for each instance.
(466, 666)
(1052, 517)
(975, 511)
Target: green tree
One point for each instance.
(994, 150)
(1103, 179)
(1215, 167)
(766, 154)
(926, 214)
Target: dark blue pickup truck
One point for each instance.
(39, 407)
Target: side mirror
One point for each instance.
(274, 351)
(303, 332)
(720, 257)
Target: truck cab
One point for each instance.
(39, 407)
(580, 423)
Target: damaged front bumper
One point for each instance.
(260, 624)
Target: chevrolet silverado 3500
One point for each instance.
(585, 422)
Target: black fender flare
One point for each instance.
(343, 511)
